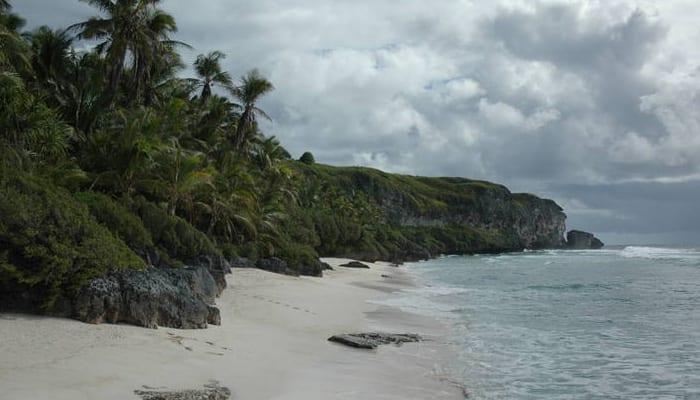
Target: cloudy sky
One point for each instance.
(595, 104)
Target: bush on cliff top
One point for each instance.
(50, 243)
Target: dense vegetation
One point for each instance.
(110, 159)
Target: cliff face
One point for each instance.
(529, 221)
(489, 216)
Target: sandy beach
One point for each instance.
(272, 344)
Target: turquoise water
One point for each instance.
(606, 324)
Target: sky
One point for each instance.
(594, 104)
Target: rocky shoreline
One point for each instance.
(275, 327)
(184, 298)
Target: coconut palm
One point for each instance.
(252, 88)
(123, 156)
(51, 61)
(155, 58)
(179, 174)
(85, 97)
(268, 152)
(161, 82)
(208, 68)
(131, 32)
(233, 207)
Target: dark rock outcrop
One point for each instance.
(279, 266)
(178, 298)
(273, 264)
(578, 240)
(217, 266)
(372, 340)
(242, 262)
(315, 269)
(355, 264)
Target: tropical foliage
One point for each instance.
(163, 168)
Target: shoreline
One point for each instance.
(272, 344)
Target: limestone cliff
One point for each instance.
(425, 215)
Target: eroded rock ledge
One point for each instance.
(211, 391)
(372, 340)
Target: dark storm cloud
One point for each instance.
(645, 208)
(56, 14)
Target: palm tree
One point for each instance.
(123, 156)
(233, 207)
(51, 61)
(253, 87)
(179, 174)
(154, 55)
(132, 32)
(13, 49)
(85, 97)
(161, 83)
(215, 117)
(268, 153)
(208, 68)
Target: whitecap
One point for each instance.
(660, 253)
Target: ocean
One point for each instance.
(618, 323)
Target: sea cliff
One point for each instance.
(413, 217)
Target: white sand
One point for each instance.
(271, 345)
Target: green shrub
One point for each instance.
(118, 219)
(307, 158)
(50, 243)
(172, 234)
(297, 255)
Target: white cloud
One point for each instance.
(460, 90)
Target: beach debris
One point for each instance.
(211, 391)
(355, 264)
(372, 340)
